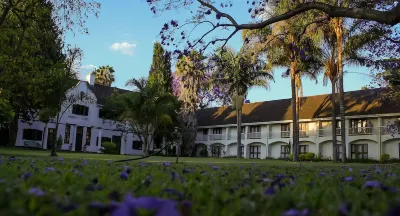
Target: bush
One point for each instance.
(310, 156)
(291, 157)
(303, 157)
(109, 148)
(385, 158)
(203, 153)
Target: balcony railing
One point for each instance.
(362, 131)
(254, 135)
(217, 136)
(234, 136)
(328, 132)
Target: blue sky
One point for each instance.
(124, 34)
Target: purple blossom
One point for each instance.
(295, 212)
(27, 175)
(372, 184)
(173, 192)
(49, 169)
(124, 175)
(215, 167)
(270, 191)
(36, 192)
(167, 164)
(349, 178)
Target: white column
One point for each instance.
(380, 136)
(348, 147)
(99, 141)
(73, 137)
(226, 133)
(84, 138)
(123, 144)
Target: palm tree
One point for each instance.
(331, 73)
(146, 110)
(104, 75)
(240, 71)
(299, 53)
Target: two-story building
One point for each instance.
(82, 127)
(267, 127)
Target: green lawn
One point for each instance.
(32, 183)
(22, 152)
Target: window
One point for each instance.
(32, 134)
(285, 130)
(303, 128)
(216, 150)
(137, 145)
(358, 123)
(255, 152)
(88, 135)
(67, 133)
(205, 131)
(303, 149)
(217, 130)
(255, 129)
(339, 151)
(359, 151)
(285, 151)
(242, 151)
(243, 130)
(80, 110)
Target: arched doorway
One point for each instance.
(217, 150)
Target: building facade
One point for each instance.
(81, 127)
(267, 128)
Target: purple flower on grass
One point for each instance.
(295, 212)
(1, 162)
(270, 191)
(344, 209)
(124, 175)
(27, 176)
(349, 178)
(61, 159)
(215, 167)
(378, 170)
(36, 192)
(167, 163)
(48, 169)
(350, 169)
(322, 174)
(372, 184)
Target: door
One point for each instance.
(255, 152)
(4, 134)
(51, 138)
(117, 141)
(79, 139)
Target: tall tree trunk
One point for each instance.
(294, 114)
(13, 130)
(339, 38)
(44, 133)
(239, 131)
(334, 137)
(54, 147)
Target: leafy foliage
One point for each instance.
(143, 111)
(160, 71)
(104, 75)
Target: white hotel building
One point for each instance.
(266, 128)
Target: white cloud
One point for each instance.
(88, 67)
(124, 47)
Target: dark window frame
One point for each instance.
(88, 135)
(255, 154)
(363, 153)
(217, 131)
(32, 134)
(285, 151)
(78, 109)
(67, 135)
(137, 145)
(304, 149)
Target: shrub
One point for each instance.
(385, 158)
(303, 157)
(203, 152)
(310, 156)
(291, 157)
(109, 148)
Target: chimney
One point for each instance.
(90, 78)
